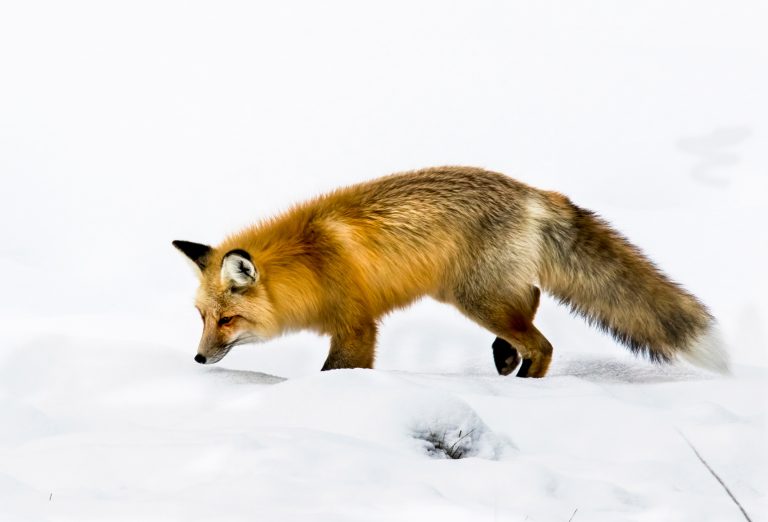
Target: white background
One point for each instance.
(124, 126)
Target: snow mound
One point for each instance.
(385, 409)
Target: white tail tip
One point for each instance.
(708, 351)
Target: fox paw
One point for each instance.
(505, 356)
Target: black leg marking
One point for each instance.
(524, 368)
(505, 356)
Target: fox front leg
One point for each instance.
(352, 348)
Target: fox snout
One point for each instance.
(211, 354)
(212, 359)
(213, 347)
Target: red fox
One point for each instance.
(478, 240)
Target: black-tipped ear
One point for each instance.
(195, 251)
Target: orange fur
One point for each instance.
(475, 239)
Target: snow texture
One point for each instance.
(126, 126)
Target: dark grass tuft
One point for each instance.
(440, 446)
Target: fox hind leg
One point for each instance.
(541, 356)
(509, 315)
(538, 354)
(505, 356)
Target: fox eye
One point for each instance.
(224, 320)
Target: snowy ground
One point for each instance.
(104, 430)
(123, 127)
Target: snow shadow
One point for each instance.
(613, 370)
(245, 376)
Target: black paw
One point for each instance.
(505, 357)
(523, 372)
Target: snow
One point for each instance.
(125, 127)
(143, 435)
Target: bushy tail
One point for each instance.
(603, 277)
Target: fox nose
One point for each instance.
(200, 358)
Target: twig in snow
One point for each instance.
(717, 477)
(573, 514)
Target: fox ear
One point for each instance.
(238, 270)
(196, 252)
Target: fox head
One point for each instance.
(232, 300)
